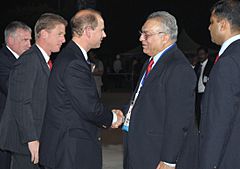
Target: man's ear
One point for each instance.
(224, 25)
(88, 31)
(44, 34)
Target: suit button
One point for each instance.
(99, 138)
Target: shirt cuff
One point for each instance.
(114, 118)
(169, 164)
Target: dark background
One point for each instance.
(123, 18)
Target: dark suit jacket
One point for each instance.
(26, 102)
(220, 123)
(7, 60)
(206, 71)
(74, 113)
(163, 116)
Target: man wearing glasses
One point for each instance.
(160, 118)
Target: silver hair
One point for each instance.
(13, 26)
(167, 22)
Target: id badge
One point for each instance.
(126, 123)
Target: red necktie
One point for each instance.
(50, 64)
(149, 67)
(216, 59)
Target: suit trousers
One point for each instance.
(20, 161)
(5, 159)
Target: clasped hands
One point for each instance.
(120, 118)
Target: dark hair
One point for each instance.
(228, 9)
(205, 49)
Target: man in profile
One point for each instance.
(160, 118)
(18, 38)
(22, 119)
(220, 114)
(70, 135)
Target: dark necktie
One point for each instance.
(216, 59)
(149, 67)
(50, 64)
(199, 70)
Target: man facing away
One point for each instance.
(17, 37)
(220, 116)
(160, 117)
(22, 118)
(74, 115)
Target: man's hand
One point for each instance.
(120, 118)
(162, 165)
(33, 147)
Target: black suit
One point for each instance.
(7, 60)
(220, 122)
(162, 119)
(69, 137)
(26, 102)
(205, 78)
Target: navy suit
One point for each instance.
(7, 60)
(74, 114)
(220, 122)
(162, 120)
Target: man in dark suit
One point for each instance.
(160, 118)
(69, 138)
(202, 69)
(17, 37)
(22, 118)
(220, 116)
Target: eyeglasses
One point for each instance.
(146, 35)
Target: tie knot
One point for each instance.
(149, 66)
(151, 62)
(50, 64)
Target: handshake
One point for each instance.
(120, 118)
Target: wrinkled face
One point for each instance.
(215, 30)
(152, 37)
(98, 34)
(21, 41)
(55, 38)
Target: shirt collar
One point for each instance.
(227, 43)
(45, 55)
(156, 57)
(14, 53)
(84, 52)
(204, 62)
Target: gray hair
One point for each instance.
(13, 26)
(167, 22)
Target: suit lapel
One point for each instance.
(79, 54)
(159, 67)
(42, 60)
